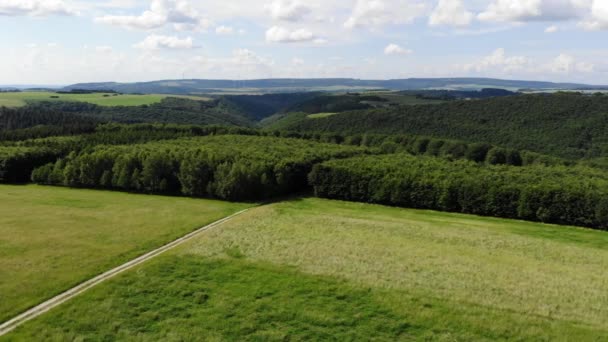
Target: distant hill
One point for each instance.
(299, 85)
(567, 125)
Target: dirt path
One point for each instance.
(73, 292)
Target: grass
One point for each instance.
(53, 238)
(21, 98)
(315, 269)
(320, 115)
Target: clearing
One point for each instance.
(314, 269)
(20, 99)
(54, 238)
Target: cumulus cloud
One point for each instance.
(451, 13)
(498, 61)
(178, 13)
(34, 8)
(103, 49)
(288, 10)
(297, 61)
(394, 49)
(377, 13)
(599, 16)
(565, 63)
(532, 10)
(157, 42)
(278, 34)
(248, 57)
(225, 30)
(551, 29)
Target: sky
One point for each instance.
(70, 41)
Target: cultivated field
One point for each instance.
(320, 115)
(315, 269)
(53, 238)
(102, 99)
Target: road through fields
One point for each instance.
(73, 292)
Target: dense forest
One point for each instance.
(566, 125)
(555, 194)
(533, 157)
(227, 167)
(169, 110)
(12, 119)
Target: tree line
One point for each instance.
(121, 134)
(228, 167)
(552, 194)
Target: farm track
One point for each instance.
(38, 310)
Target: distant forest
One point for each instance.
(566, 125)
(534, 157)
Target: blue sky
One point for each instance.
(68, 41)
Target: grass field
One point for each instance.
(315, 269)
(21, 99)
(53, 238)
(320, 115)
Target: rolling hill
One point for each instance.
(567, 125)
(195, 86)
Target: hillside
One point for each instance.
(566, 124)
(298, 85)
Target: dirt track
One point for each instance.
(73, 292)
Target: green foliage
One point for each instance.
(566, 125)
(227, 167)
(168, 110)
(556, 194)
(331, 104)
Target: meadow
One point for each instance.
(54, 238)
(320, 115)
(314, 269)
(20, 99)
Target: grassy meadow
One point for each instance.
(54, 238)
(314, 269)
(320, 115)
(20, 99)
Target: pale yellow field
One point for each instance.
(532, 269)
(20, 99)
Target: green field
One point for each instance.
(102, 99)
(53, 238)
(315, 269)
(320, 115)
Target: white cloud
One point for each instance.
(451, 13)
(377, 13)
(297, 61)
(288, 10)
(225, 30)
(156, 42)
(532, 10)
(599, 16)
(552, 29)
(565, 63)
(34, 8)
(499, 62)
(394, 49)
(248, 57)
(179, 13)
(278, 34)
(103, 49)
